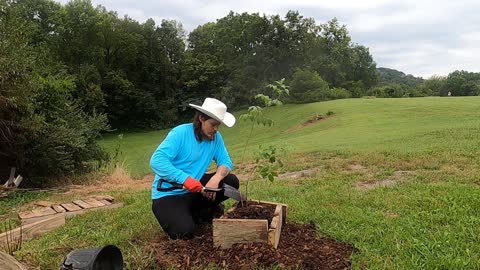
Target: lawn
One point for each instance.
(397, 178)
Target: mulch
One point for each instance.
(300, 247)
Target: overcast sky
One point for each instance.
(418, 37)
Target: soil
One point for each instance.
(253, 210)
(300, 247)
(309, 122)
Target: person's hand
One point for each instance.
(193, 185)
(212, 183)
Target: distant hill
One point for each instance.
(393, 76)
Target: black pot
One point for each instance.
(106, 258)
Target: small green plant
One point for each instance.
(118, 152)
(267, 162)
(115, 159)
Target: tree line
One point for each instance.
(70, 72)
(394, 83)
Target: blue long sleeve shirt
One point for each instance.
(180, 155)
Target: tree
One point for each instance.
(437, 84)
(307, 86)
(16, 84)
(44, 132)
(463, 83)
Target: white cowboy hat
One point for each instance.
(217, 110)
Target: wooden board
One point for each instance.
(7, 262)
(11, 178)
(284, 209)
(81, 211)
(58, 208)
(30, 231)
(43, 211)
(27, 221)
(94, 202)
(105, 202)
(83, 204)
(43, 203)
(104, 197)
(71, 206)
(227, 232)
(275, 227)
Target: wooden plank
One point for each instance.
(105, 202)
(43, 203)
(94, 202)
(27, 221)
(70, 213)
(44, 211)
(104, 197)
(227, 232)
(81, 211)
(8, 262)
(33, 230)
(11, 178)
(275, 227)
(58, 208)
(83, 204)
(71, 206)
(18, 180)
(284, 209)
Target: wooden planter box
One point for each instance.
(227, 231)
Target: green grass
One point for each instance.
(429, 218)
(399, 126)
(129, 228)
(10, 206)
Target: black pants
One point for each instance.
(176, 213)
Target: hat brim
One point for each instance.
(228, 119)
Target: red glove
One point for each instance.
(193, 185)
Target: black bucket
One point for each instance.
(106, 258)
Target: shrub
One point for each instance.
(338, 93)
(59, 138)
(307, 86)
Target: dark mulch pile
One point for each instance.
(300, 247)
(253, 210)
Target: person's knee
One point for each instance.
(232, 180)
(181, 231)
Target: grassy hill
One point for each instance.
(397, 178)
(406, 127)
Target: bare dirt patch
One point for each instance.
(390, 214)
(300, 247)
(356, 167)
(371, 184)
(388, 182)
(297, 174)
(315, 119)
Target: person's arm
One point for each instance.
(161, 160)
(224, 163)
(222, 172)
